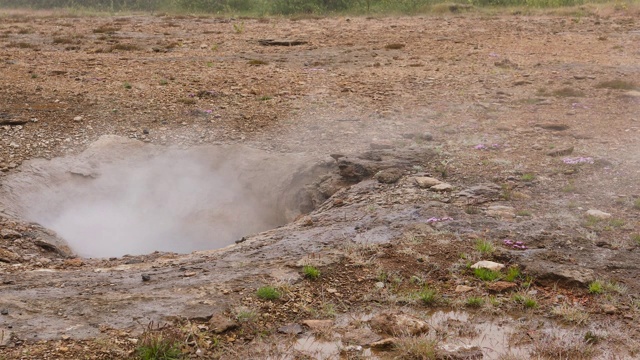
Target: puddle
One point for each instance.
(122, 196)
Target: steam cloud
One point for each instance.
(181, 201)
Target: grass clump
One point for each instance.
(512, 274)
(105, 29)
(268, 293)
(127, 85)
(527, 177)
(486, 274)
(571, 314)
(636, 239)
(474, 301)
(311, 272)
(160, 344)
(596, 287)
(616, 84)
(125, 47)
(428, 296)
(485, 247)
(418, 348)
(636, 204)
(527, 301)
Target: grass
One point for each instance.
(416, 348)
(163, 82)
(125, 47)
(245, 315)
(474, 301)
(616, 223)
(127, 85)
(486, 274)
(187, 101)
(268, 293)
(485, 247)
(512, 274)
(21, 45)
(617, 84)
(528, 177)
(428, 296)
(553, 346)
(160, 344)
(523, 213)
(596, 287)
(636, 204)
(571, 314)
(527, 301)
(311, 272)
(105, 29)
(636, 239)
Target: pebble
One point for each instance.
(77, 118)
(442, 187)
(427, 182)
(463, 288)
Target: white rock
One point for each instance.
(463, 288)
(484, 264)
(77, 118)
(598, 214)
(427, 182)
(442, 187)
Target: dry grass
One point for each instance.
(417, 348)
(555, 347)
(617, 84)
(394, 46)
(125, 47)
(568, 92)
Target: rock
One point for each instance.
(547, 272)
(146, 277)
(77, 118)
(5, 337)
(554, 127)
(4, 312)
(481, 193)
(427, 182)
(11, 121)
(484, 264)
(598, 214)
(318, 324)
(398, 323)
(632, 93)
(461, 352)
(442, 187)
(9, 234)
(463, 288)
(389, 176)
(500, 211)
(500, 286)
(379, 285)
(189, 274)
(291, 329)
(562, 151)
(361, 336)
(609, 309)
(77, 262)
(220, 323)
(8, 256)
(384, 344)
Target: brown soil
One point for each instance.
(499, 101)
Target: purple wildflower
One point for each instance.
(480, 147)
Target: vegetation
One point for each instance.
(311, 272)
(596, 287)
(428, 296)
(268, 293)
(486, 274)
(474, 301)
(288, 7)
(162, 343)
(485, 247)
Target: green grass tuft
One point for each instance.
(428, 296)
(311, 272)
(485, 247)
(486, 274)
(268, 293)
(527, 177)
(474, 301)
(596, 287)
(512, 274)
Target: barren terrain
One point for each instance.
(391, 154)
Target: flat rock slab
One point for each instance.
(484, 264)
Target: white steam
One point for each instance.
(143, 199)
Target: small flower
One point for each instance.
(480, 147)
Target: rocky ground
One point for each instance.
(446, 141)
